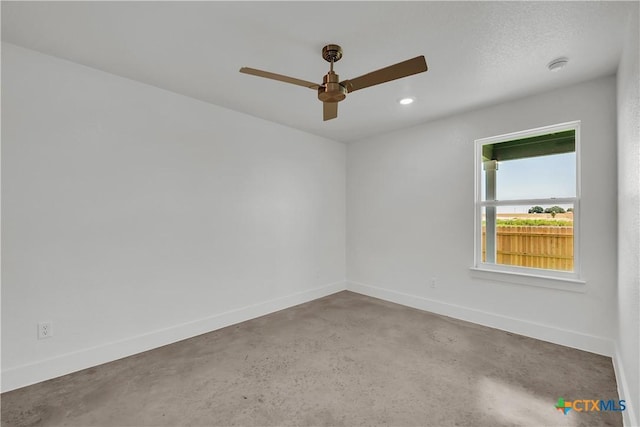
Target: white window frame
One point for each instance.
(524, 272)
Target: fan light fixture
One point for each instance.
(406, 101)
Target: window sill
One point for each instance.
(537, 280)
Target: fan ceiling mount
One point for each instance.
(332, 90)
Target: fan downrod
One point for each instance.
(331, 89)
(332, 53)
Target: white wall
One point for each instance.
(410, 202)
(134, 217)
(628, 351)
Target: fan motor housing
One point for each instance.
(331, 90)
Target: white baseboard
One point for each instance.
(542, 332)
(629, 417)
(32, 373)
(43, 370)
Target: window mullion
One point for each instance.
(525, 202)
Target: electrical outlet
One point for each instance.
(433, 282)
(45, 330)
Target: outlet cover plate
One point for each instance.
(45, 330)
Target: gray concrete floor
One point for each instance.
(345, 359)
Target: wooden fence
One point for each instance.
(533, 246)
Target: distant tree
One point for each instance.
(554, 210)
(570, 210)
(536, 209)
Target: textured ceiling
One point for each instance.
(478, 53)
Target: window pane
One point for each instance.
(534, 240)
(537, 167)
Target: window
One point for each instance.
(527, 201)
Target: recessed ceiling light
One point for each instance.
(406, 101)
(558, 64)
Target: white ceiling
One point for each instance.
(478, 53)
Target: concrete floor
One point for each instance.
(345, 359)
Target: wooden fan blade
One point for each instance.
(279, 77)
(329, 110)
(387, 74)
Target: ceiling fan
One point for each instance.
(332, 90)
